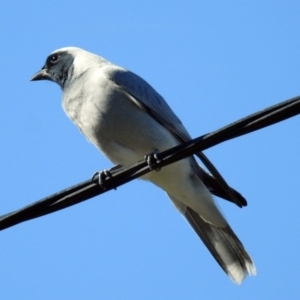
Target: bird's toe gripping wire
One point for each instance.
(104, 175)
(152, 159)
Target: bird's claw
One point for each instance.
(152, 159)
(102, 177)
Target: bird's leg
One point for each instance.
(152, 159)
(103, 175)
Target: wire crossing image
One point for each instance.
(119, 176)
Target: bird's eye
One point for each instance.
(53, 58)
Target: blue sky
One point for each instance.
(214, 62)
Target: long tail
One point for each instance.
(222, 243)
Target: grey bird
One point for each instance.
(125, 118)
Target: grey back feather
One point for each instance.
(150, 101)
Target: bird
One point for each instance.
(126, 118)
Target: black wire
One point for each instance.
(120, 176)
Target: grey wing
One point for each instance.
(148, 99)
(145, 96)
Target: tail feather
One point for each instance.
(224, 245)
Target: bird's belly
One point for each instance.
(122, 131)
(125, 133)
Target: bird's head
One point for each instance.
(67, 64)
(59, 66)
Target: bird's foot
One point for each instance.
(152, 159)
(104, 175)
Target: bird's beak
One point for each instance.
(41, 75)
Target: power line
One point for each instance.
(118, 176)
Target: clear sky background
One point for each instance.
(214, 62)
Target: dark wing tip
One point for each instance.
(212, 184)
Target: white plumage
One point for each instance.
(125, 118)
